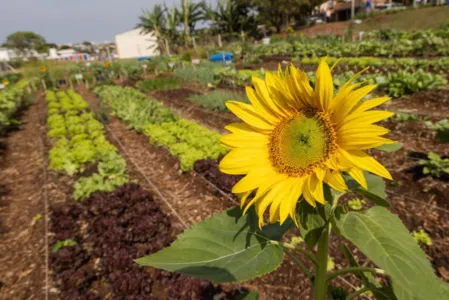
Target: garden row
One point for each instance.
(420, 43)
(186, 140)
(96, 240)
(12, 98)
(395, 84)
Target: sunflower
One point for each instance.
(294, 138)
(43, 69)
(5, 82)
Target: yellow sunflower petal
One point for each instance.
(249, 115)
(261, 106)
(277, 91)
(243, 197)
(308, 193)
(368, 104)
(283, 197)
(276, 192)
(324, 86)
(351, 100)
(335, 180)
(242, 160)
(366, 162)
(295, 195)
(263, 93)
(316, 188)
(358, 176)
(367, 117)
(245, 140)
(363, 143)
(258, 177)
(300, 87)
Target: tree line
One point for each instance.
(177, 26)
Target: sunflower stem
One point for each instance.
(321, 268)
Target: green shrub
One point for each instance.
(148, 85)
(215, 100)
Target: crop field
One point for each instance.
(98, 172)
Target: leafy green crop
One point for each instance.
(422, 237)
(166, 83)
(64, 243)
(11, 99)
(405, 117)
(215, 100)
(80, 141)
(134, 107)
(442, 128)
(435, 166)
(186, 140)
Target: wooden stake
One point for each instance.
(44, 86)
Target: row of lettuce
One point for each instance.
(80, 147)
(12, 98)
(186, 140)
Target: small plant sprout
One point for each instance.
(421, 237)
(356, 203)
(62, 244)
(435, 166)
(37, 218)
(442, 128)
(405, 117)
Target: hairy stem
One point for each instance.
(321, 268)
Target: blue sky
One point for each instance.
(62, 21)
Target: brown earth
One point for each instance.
(22, 211)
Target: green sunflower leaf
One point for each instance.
(389, 147)
(366, 277)
(253, 295)
(383, 238)
(375, 192)
(226, 247)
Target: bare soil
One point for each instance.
(22, 212)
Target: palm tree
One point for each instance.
(190, 14)
(173, 20)
(154, 21)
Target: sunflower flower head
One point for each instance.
(294, 138)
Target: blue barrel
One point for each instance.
(142, 58)
(221, 57)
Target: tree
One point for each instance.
(154, 21)
(277, 13)
(231, 16)
(25, 41)
(191, 13)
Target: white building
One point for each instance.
(7, 54)
(67, 54)
(133, 44)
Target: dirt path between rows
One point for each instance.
(22, 212)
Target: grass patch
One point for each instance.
(215, 100)
(148, 85)
(408, 20)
